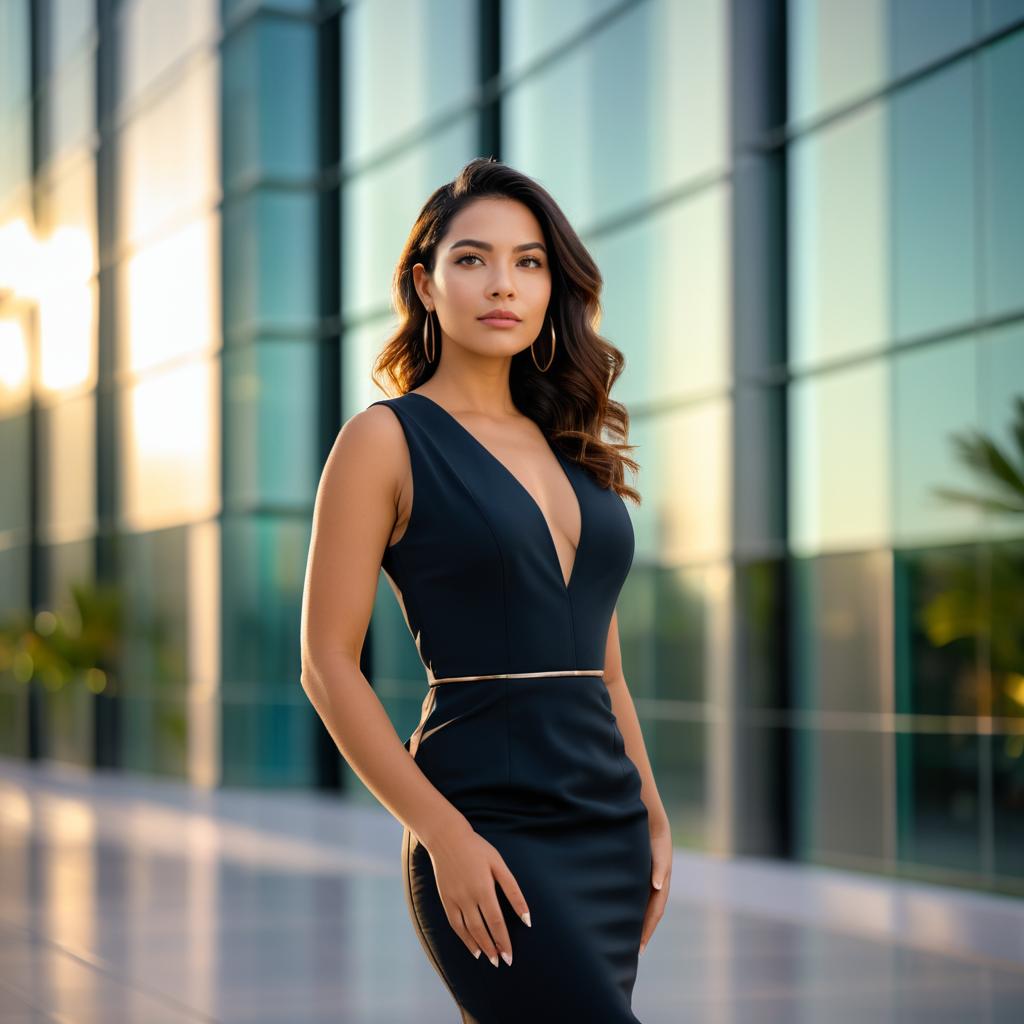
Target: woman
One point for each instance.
(486, 492)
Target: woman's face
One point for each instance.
(492, 257)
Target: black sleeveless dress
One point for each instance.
(537, 764)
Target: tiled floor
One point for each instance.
(132, 900)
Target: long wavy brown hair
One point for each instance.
(570, 402)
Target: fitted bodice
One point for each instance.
(477, 567)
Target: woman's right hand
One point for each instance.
(466, 866)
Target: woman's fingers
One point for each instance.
(478, 928)
(460, 929)
(653, 914)
(511, 889)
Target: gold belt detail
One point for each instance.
(433, 680)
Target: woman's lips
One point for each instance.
(499, 321)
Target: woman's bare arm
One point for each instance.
(353, 519)
(629, 725)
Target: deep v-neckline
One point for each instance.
(559, 458)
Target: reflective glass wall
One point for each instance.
(906, 435)
(808, 217)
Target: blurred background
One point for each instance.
(810, 222)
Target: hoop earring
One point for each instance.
(552, 359)
(433, 339)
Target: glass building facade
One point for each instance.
(810, 223)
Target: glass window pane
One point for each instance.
(1002, 420)
(431, 65)
(684, 479)
(169, 296)
(70, 24)
(838, 53)
(69, 116)
(271, 253)
(841, 633)
(934, 226)
(380, 207)
(170, 447)
(939, 811)
(15, 449)
(153, 35)
(1003, 162)
(271, 423)
(935, 400)
(939, 609)
(67, 474)
(168, 156)
(532, 28)
(68, 205)
(360, 347)
(270, 100)
(16, 165)
(15, 85)
(925, 30)
(839, 227)
(839, 490)
(630, 137)
(844, 796)
(999, 13)
(667, 299)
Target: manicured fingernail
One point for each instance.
(657, 885)
(526, 918)
(477, 954)
(494, 960)
(507, 957)
(643, 946)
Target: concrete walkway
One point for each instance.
(129, 899)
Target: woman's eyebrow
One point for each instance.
(477, 244)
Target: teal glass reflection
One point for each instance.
(1002, 420)
(680, 756)
(840, 628)
(71, 24)
(940, 627)
(1006, 639)
(1003, 137)
(15, 55)
(380, 206)
(934, 227)
(923, 31)
(840, 274)
(934, 410)
(838, 53)
(998, 14)
(667, 299)
(843, 796)
(939, 815)
(687, 608)
(69, 118)
(154, 667)
(270, 261)
(270, 101)
(271, 454)
(630, 137)
(839, 481)
(1008, 810)
(16, 494)
(404, 62)
(531, 29)
(268, 724)
(231, 8)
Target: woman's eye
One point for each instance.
(473, 256)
